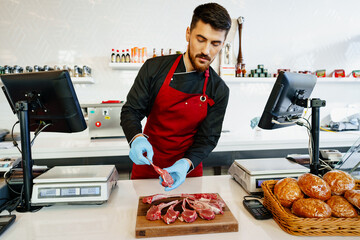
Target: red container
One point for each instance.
(339, 73)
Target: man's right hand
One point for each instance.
(139, 146)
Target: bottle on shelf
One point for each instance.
(123, 56)
(154, 52)
(76, 71)
(238, 70)
(143, 54)
(113, 56)
(243, 70)
(136, 55)
(127, 57)
(117, 56)
(162, 52)
(28, 69)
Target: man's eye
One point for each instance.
(201, 39)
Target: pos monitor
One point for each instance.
(282, 107)
(41, 99)
(288, 98)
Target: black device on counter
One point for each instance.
(50, 98)
(256, 208)
(288, 98)
(283, 106)
(5, 222)
(43, 101)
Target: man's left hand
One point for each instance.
(178, 172)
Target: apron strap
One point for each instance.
(204, 97)
(172, 70)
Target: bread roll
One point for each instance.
(287, 191)
(340, 207)
(339, 181)
(314, 186)
(311, 208)
(353, 196)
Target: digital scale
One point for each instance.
(87, 184)
(250, 173)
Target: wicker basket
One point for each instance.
(308, 226)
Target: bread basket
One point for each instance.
(308, 226)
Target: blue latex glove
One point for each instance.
(178, 172)
(138, 147)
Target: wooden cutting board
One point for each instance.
(144, 228)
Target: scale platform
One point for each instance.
(86, 184)
(250, 173)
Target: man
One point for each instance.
(184, 101)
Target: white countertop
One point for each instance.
(64, 145)
(116, 219)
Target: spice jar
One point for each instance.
(86, 71)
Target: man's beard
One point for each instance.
(198, 68)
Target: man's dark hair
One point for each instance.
(213, 14)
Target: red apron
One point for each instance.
(171, 126)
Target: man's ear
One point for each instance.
(188, 34)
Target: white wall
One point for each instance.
(300, 35)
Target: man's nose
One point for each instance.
(206, 49)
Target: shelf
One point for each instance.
(82, 80)
(75, 80)
(338, 80)
(125, 66)
(248, 80)
(272, 80)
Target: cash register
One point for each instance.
(289, 97)
(42, 101)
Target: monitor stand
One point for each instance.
(22, 109)
(315, 104)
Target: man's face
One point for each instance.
(204, 44)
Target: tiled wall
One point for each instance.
(300, 35)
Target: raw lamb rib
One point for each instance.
(168, 181)
(171, 215)
(203, 209)
(187, 215)
(217, 206)
(154, 212)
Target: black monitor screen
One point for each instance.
(51, 99)
(282, 105)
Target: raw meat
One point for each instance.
(187, 215)
(152, 198)
(203, 209)
(206, 205)
(171, 215)
(154, 212)
(217, 206)
(168, 181)
(205, 195)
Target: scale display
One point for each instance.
(69, 192)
